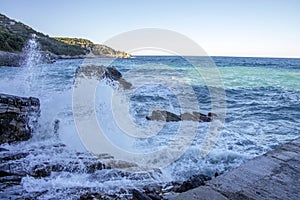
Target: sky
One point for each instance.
(264, 28)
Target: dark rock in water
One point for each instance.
(162, 115)
(112, 73)
(193, 182)
(41, 171)
(159, 115)
(155, 196)
(3, 149)
(97, 196)
(8, 157)
(102, 72)
(216, 174)
(56, 126)
(18, 117)
(91, 168)
(137, 195)
(4, 173)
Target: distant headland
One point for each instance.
(14, 35)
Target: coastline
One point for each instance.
(273, 175)
(10, 59)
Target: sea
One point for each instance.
(259, 111)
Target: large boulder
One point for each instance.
(102, 72)
(18, 116)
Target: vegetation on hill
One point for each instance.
(14, 35)
(96, 49)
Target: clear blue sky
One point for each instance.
(221, 27)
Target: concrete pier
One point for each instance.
(274, 175)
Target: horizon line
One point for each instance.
(218, 56)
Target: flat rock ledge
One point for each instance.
(274, 175)
(18, 116)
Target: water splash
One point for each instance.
(32, 56)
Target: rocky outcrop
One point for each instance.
(16, 59)
(162, 115)
(9, 59)
(18, 116)
(102, 72)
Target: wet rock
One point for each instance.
(4, 173)
(193, 182)
(137, 195)
(56, 126)
(112, 73)
(162, 115)
(3, 149)
(91, 168)
(155, 196)
(11, 156)
(102, 72)
(97, 196)
(39, 171)
(159, 115)
(18, 117)
(120, 164)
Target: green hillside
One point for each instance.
(96, 49)
(14, 35)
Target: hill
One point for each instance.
(14, 35)
(95, 49)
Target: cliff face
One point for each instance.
(14, 35)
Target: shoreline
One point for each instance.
(273, 175)
(13, 59)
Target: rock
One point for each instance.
(167, 116)
(91, 168)
(137, 195)
(16, 59)
(162, 115)
(120, 164)
(155, 196)
(112, 73)
(9, 59)
(56, 126)
(193, 182)
(39, 171)
(201, 117)
(3, 149)
(102, 72)
(18, 117)
(189, 117)
(97, 196)
(8, 157)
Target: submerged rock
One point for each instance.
(162, 115)
(18, 117)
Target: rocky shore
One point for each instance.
(18, 117)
